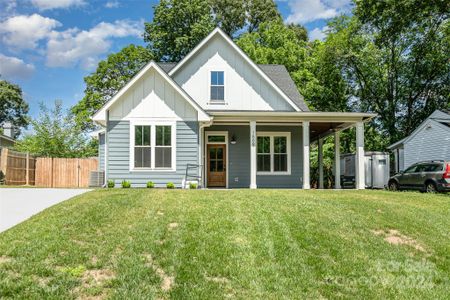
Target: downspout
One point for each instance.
(105, 184)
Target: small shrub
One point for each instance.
(111, 184)
(150, 185)
(193, 186)
(170, 185)
(126, 184)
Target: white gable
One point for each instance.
(245, 87)
(152, 97)
(151, 94)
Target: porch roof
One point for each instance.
(322, 124)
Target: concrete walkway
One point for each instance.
(17, 205)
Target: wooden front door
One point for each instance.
(217, 165)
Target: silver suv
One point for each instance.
(426, 176)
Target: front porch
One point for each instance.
(272, 149)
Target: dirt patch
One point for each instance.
(160, 213)
(167, 281)
(172, 226)
(98, 276)
(5, 259)
(394, 237)
(160, 242)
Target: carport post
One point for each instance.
(359, 172)
(337, 160)
(306, 168)
(320, 150)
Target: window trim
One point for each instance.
(210, 101)
(273, 134)
(153, 124)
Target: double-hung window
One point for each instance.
(217, 86)
(153, 147)
(273, 153)
(142, 147)
(163, 147)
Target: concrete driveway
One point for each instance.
(17, 205)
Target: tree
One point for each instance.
(395, 67)
(13, 107)
(56, 134)
(261, 11)
(179, 25)
(111, 75)
(311, 65)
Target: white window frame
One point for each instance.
(210, 101)
(153, 124)
(271, 135)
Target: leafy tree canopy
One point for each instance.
(311, 65)
(111, 75)
(56, 134)
(179, 25)
(13, 107)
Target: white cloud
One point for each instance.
(23, 32)
(74, 46)
(112, 4)
(318, 34)
(14, 68)
(53, 4)
(304, 11)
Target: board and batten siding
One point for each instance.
(101, 152)
(119, 155)
(432, 142)
(241, 80)
(239, 157)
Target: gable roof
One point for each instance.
(100, 115)
(277, 73)
(219, 32)
(438, 117)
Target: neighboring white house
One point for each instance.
(242, 125)
(430, 141)
(7, 137)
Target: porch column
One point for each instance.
(306, 177)
(337, 160)
(320, 150)
(253, 154)
(359, 163)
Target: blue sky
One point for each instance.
(48, 46)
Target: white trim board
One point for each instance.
(243, 55)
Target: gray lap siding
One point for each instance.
(119, 155)
(239, 157)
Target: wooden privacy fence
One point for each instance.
(64, 172)
(17, 168)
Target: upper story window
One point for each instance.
(217, 86)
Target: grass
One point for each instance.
(207, 244)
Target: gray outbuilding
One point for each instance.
(430, 141)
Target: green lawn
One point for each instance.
(209, 244)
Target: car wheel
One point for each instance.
(393, 186)
(430, 187)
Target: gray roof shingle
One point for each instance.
(277, 73)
